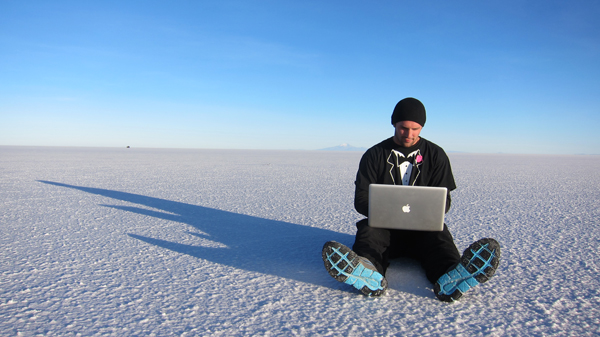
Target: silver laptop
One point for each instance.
(407, 207)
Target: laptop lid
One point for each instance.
(407, 207)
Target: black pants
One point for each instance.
(435, 250)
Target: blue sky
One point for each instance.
(495, 76)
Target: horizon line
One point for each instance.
(263, 149)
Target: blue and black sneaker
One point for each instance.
(345, 266)
(477, 265)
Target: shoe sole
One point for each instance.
(477, 265)
(344, 265)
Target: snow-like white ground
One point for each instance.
(143, 242)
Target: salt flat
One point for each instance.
(130, 242)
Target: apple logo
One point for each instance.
(406, 209)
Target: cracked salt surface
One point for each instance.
(130, 242)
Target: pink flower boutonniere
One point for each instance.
(419, 159)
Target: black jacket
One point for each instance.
(424, 164)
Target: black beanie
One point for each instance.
(409, 109)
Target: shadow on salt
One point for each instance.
(251, 243)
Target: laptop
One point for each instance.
(404, 207)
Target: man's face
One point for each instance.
(407, 133)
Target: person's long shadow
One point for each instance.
(259, 245)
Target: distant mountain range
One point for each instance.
(344, 147)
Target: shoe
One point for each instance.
(345, 266)
(477, 265)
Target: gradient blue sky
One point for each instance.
(495, 76)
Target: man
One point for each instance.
(408, 159)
